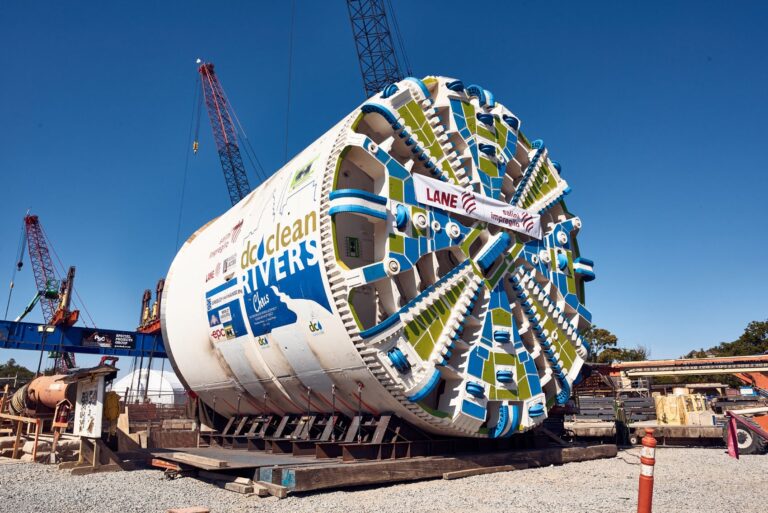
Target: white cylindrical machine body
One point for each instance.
(332, 288)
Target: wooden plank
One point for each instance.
(18, 438)
(261, 491)
(194, 459)
(167, 439)
(281, 492)
(484, 470)
(369, 473)
(7, 416)
(238, 487)
(85, 470)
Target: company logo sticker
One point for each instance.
(468, 202)
(315, 327)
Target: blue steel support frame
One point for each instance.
(36, 337)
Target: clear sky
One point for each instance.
(657, 111)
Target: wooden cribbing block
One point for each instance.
(310, 477)
(458, 474)
(261, 491)
(238, 487)
(194, 459)
(281, 492)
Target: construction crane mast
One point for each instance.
(375, 45)
(54, 296)
(42, 267)
(222, 121)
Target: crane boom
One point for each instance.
(375, 46)
(54, 296)
(221, 117)
(42, 267)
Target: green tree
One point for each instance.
(599, 340)
(621, 354)
(754, 340)
(696, 353)
(10, 369)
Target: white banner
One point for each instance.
(89, 406)
(467, 202)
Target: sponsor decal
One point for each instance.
(315, 327)
(283, 237)
(453, 198)
(225, 314)
(468, 202)
(229, 239)
(226, 332)
(301, 175)
(262, 341)
(229, 263)
(283, 265)
(96, 338)
(235, 232)
(223, 293)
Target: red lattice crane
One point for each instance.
(222, 122)
(54, 296)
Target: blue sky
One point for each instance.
(656, 110)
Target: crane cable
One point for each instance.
(198, 100)
(195, 106)
(58, 276)
(290, 69)
(399, 39)
(249, 151)
(17, 266)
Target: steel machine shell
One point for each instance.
(417, 259)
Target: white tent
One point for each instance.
(163, 387)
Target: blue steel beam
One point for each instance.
(37, 337)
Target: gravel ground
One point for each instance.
(695, 480)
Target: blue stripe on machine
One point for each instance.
(421, 85)
(380, 109)
(222, 287)
(585, 261)
(515, 422)
(501, 425)
(374, 272)
(357, 193)
(475, 364)
(426, 389)
(473, 409)
(388, 322)
(357, 209)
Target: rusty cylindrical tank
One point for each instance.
(48, 391)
